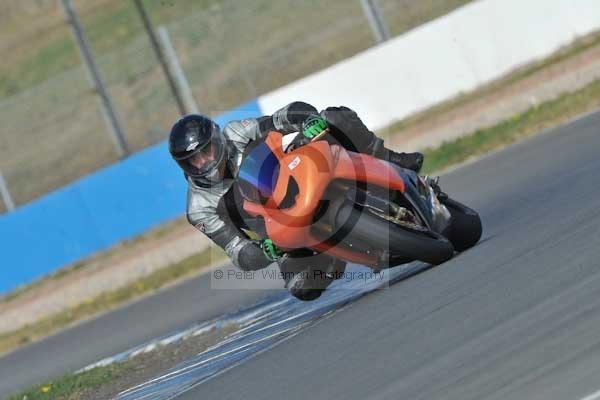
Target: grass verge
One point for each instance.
(528, 123)
(109, 300)
(72, 386)
(106, 382)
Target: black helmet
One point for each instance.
(200, 149)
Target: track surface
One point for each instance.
(173, 309)
(516, 317)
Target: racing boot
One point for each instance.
(305, 287)
(348, 129)
(413, 161)
(307, 276)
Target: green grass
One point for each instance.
(108, 26)
(49, 61)
(109, 300)
(532, 121)
(71, 386)
(114, 24)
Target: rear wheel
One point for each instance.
(401, 242)
(465, 227)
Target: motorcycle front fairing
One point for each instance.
(311, 168)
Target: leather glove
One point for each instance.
(313, 126)
(270, 251)
(252, 257)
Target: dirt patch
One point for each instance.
(107, 382)
(147, 366)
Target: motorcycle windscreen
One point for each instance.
(258, 174)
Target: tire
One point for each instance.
(465, 227)
(370, 229)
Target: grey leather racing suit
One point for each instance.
(207, 207)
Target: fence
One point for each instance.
(124, 199)
(443, 58)
(52, 131)
(113, 204)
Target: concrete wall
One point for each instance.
(436, 61)
(113, 204)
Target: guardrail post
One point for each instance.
(176, 70)
(160, 55)
(6, 197)
(376, 21)
(108, 110)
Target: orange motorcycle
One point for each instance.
(348, 205)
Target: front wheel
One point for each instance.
(465, 226)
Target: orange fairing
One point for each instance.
(313, 167)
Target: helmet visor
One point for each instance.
(202, 159)
(205, 160)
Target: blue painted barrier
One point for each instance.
(113, 204)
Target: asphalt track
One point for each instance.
(170, 310)
(517, 317)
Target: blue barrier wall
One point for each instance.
(113, 204)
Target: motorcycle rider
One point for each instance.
(210, 159)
